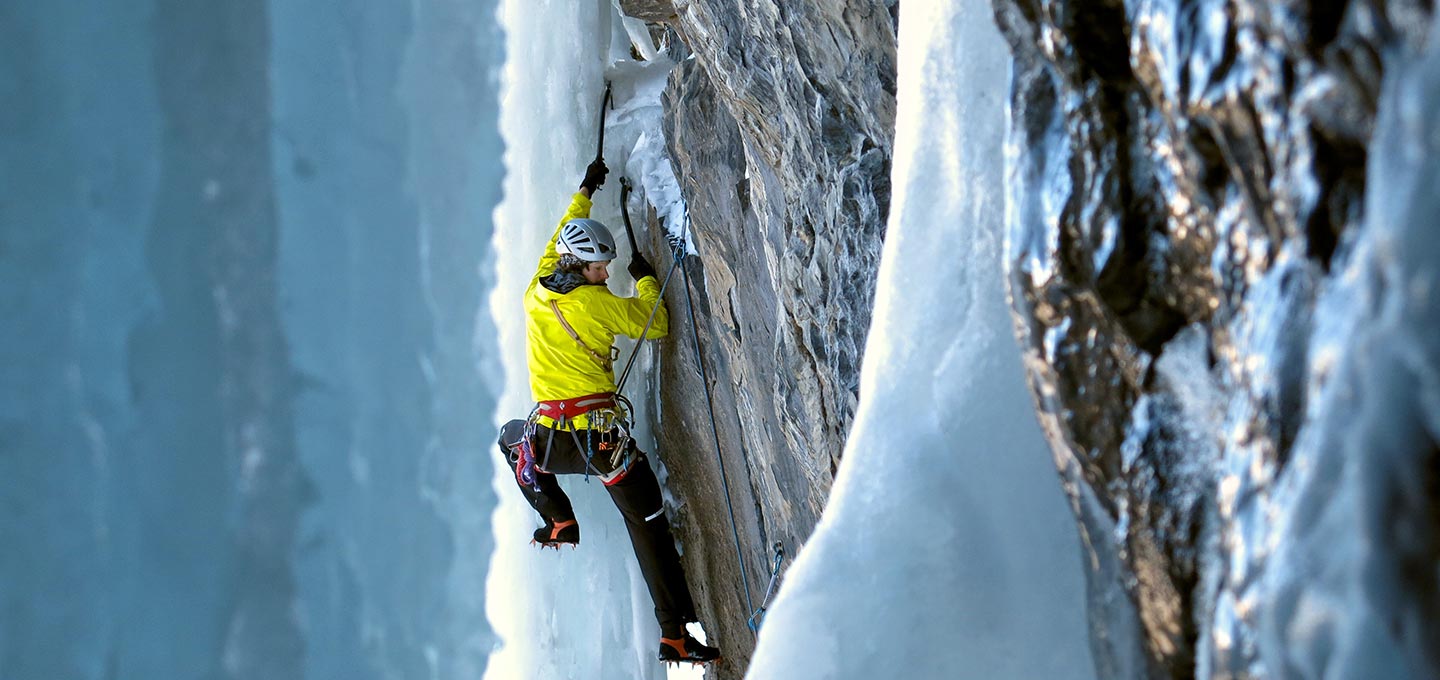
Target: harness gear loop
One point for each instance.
(607, 432)
(522, 454)
(607, 363)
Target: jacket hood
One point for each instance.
(561, 283)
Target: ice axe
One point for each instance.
(624, 183)
(605, 104)
(625, 212)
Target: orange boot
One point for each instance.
(554, 534)
(686, 648)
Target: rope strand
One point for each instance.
(715, 432)
(659, 300)
(680, 255)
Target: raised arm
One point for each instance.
(579, 207)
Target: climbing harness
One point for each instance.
(607, 433)
(569, 408)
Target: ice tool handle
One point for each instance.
(625, 212)
(604, 105)
(659, 300)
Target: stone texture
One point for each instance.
(1188, 173)
(780, 130)
(1188, 178)
(649, 10)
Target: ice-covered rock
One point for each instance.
(1201, 294)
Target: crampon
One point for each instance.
(687, 650)
(556, 534)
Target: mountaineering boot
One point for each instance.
(554, 534)
(686, 648)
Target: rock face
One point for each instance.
(649, 10)
(1193, 266)
(780, 130)
(1188, 185)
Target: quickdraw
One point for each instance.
(759, 616)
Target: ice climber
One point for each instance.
(579, 424)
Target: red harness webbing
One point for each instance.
(569, 408)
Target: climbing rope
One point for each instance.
(630, 361)
(680, 255)
(659, 299)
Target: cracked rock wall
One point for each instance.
(780, 130)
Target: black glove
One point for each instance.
(639, 267)
(594, 176)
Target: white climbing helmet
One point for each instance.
(586, 239)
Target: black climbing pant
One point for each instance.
(636, 495)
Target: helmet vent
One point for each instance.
(588, 240)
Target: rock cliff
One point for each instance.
(1190, 208)
(780, 129)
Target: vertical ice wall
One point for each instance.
(80, 142)
(243, 251)
(946, 549)
(387, 163)
(581, 613)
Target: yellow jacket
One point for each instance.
(559, 367)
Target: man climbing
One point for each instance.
(580, 425)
